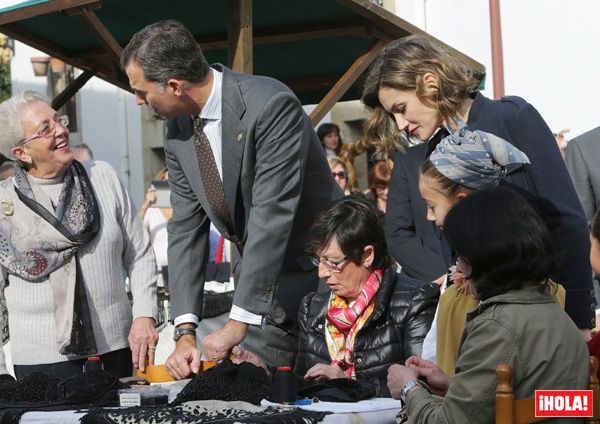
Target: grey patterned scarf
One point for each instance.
(39, 242)
(475, 158)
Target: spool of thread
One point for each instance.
(93, 363)
(284, 386)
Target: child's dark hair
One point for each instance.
(504, 240)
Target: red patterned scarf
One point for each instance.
(344, 320)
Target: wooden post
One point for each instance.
(504, 394)
(239, 36)
(61, 99)
(345, 82)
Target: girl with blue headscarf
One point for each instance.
(461, 163)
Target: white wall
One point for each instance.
(551, 50)
(108, 120)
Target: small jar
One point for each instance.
(93, 363)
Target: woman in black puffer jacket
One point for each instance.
(404, 310)
(372, 317)
(337, 339)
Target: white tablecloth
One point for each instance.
(374, 411)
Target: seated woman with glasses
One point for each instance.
(372, 317)
(69, 236)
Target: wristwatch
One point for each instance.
(407, 386)
(182, 332)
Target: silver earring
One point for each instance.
(30, 161)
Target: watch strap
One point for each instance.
(407, 386)
(183, 331)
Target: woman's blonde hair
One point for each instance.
(402, 65)
(351, 183)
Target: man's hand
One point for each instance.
(185, 359)
(398, 376)
(436, 379)
(322, 372)
(142, 342)
(217, 345)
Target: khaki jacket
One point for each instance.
(527, 330)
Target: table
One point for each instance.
(385, 415)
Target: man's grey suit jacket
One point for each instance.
(276, 180)
(583, 162)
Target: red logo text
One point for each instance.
(564, 403)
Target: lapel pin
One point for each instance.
(240, 137)
(8, 208)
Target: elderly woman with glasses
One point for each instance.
(69, 236)
(372, 317)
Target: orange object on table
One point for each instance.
(159, 373)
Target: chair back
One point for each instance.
(512, 411)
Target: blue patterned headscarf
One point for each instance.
(475, 158)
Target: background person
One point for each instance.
(70, 237)
(82, 153)
(424, 88)
(379, 180)
(243, 155)
(371, 317)
(340, 174)
(517, 321)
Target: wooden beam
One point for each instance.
(102, 34)
(287, 34)
(101, 65)
(312, 83)
(70, 90)
(239, 36)
(43, 8)
(345, 82)
(397, 27)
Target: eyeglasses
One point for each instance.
(333, 266)
(341, 174)
(48, 131)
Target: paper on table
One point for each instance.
(369, 405)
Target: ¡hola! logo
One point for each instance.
(564, 403)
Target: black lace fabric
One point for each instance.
(227, 381)
(42, 392)
(227, 393)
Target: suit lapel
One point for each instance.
(233, 132)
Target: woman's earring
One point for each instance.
(30, 161)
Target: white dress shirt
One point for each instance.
(212, 113)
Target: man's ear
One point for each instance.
(176, 85)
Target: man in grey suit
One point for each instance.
(272, 181)
(583, 159)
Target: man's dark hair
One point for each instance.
(503, 239)
(166, 49)
(354, 224)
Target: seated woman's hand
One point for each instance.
(322, 372)
(243, 355)
(433, 375)
(398, 376)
